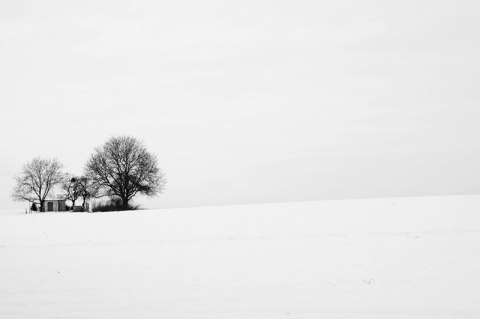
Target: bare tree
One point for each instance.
(123, 168)
(71, 188)
(36, 181)
(88, 189)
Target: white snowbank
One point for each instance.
(379, 258)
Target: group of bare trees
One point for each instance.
(120, 169)
(78, 187)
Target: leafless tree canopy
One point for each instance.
(36, 181)
(123, 168)
(88, 189)
(71, 188)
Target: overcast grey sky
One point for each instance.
(249, 101)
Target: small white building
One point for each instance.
(55, 205)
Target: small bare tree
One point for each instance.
(88, 189)
(71, 188)
(36, 181)
(123, 168)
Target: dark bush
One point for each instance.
(113, 205)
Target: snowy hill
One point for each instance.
(375, 258)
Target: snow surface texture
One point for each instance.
(381, 258)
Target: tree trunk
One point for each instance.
(42, 206)
(124, 203)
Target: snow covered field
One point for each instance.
(376, 258)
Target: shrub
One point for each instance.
(113, 205)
